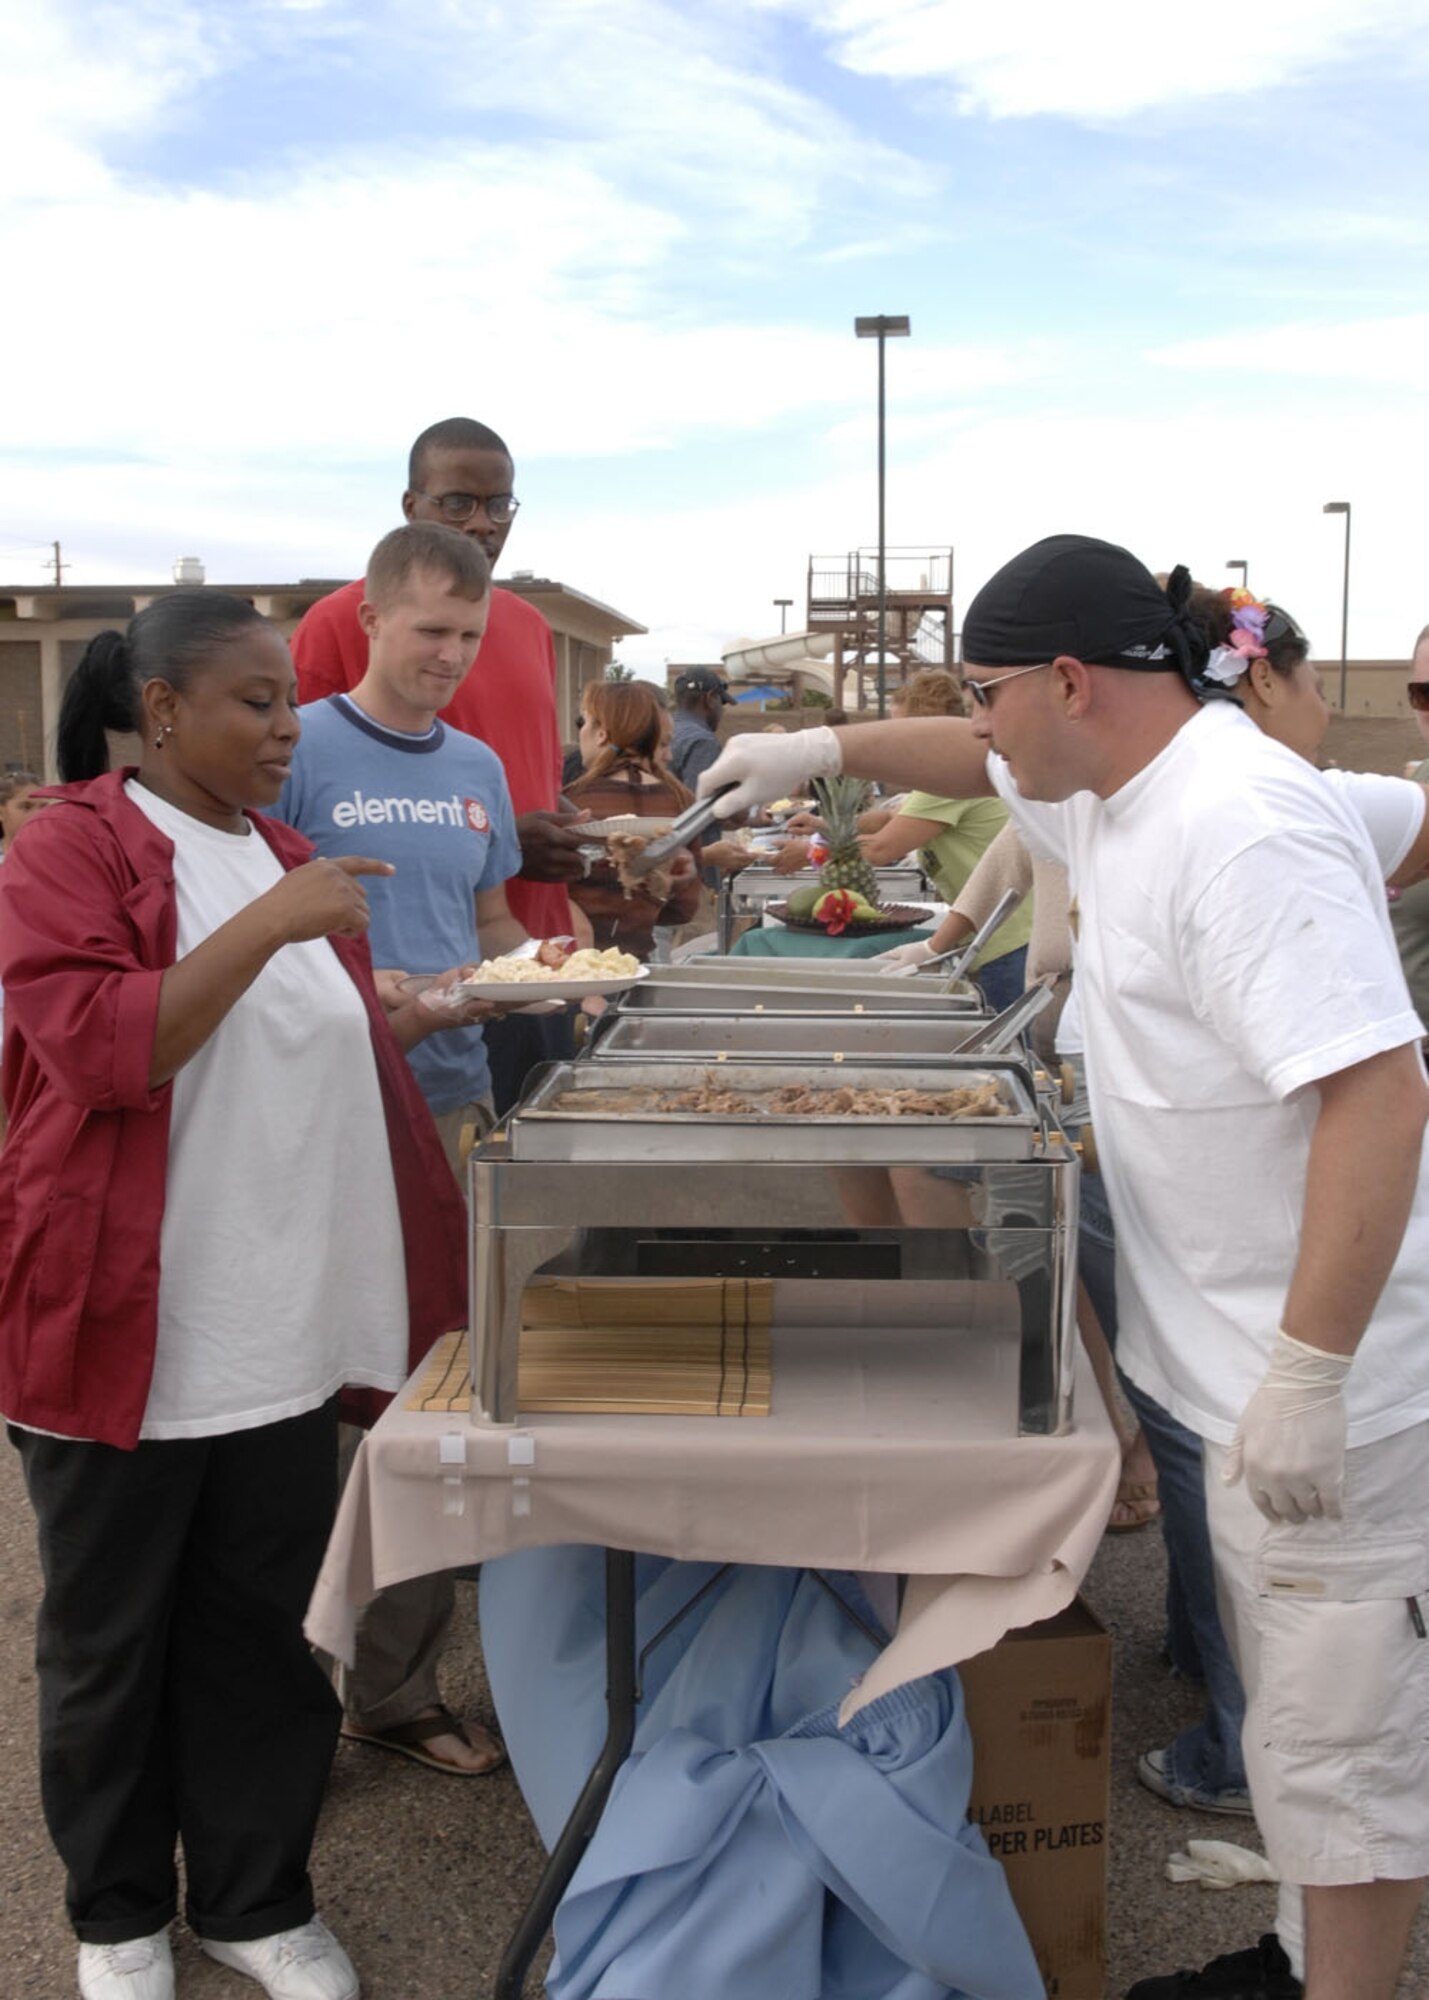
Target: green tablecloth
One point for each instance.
(776, 942)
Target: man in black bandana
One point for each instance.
(1260, 1110)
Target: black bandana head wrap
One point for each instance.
(1091, 600)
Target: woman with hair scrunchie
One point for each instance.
(223, 1199)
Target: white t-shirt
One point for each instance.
(1233, 946)
(282, 1274)
(1392, 812)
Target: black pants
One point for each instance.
(520, 1043)
(179, 1700)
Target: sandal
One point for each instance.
(409, 1739)
(1136, 1504)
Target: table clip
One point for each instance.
(451, 1453)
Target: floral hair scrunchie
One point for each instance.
(1246, 642)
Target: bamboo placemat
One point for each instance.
(697, 1348)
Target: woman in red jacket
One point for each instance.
(221, 1199)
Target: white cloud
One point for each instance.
(1106, 59)
(351, 302)
(1393, 353)
(603, 239)
(68, 84)
(1169, 488)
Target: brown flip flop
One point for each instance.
(1139, 1498)
(409, 1739)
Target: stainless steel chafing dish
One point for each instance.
(779, 1036)
(588, 1190)
(746, 893)
(710, 985)
(596, 1111)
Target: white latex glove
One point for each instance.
(917, 953)
(1218, 1864)
(764, 768)
(1290, 1441)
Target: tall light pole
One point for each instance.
(1240, 563)
(781, 605)
(881, 327)
(1343, 507)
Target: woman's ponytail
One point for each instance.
(98, 697)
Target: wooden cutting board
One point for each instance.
(695, 1347)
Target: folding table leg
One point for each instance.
(620, 1699)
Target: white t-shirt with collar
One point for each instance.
(1233, 946)
(282, 1266)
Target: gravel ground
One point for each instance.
(423, 1877)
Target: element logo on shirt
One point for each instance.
(476, 815)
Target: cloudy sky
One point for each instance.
(1166, 269)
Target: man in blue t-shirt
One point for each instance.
(376, 773)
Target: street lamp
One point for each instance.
(781, 605)
(881, 327)
(1343, 507)
(1240, 563)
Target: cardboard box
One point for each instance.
(1039, 1706)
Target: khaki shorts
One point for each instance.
(476, 1119)
(1327, 1625)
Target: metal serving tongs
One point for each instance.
(964, 954)
(689, 826)
(994, 1037)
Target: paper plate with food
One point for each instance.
(543, 969)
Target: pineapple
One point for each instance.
(841, 800)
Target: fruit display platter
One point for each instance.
(893, 917)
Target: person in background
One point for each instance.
(620, 743)
(19, 797)
(222, 1200)
(460, 475)
(1409, 908)
(701, 697)
(443, 818)
(18, 800)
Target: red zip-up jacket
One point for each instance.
(88, 926)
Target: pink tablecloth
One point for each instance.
(888, 1449)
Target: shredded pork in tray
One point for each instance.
(793, 1100)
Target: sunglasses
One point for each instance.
(982, 691)
(1419, 696)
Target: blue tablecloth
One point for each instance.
(751, 1845)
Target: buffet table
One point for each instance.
(885, 1451)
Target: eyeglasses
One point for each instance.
(981, 691)
(501, 508)
(1419, 696)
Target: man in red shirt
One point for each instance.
(461, 474)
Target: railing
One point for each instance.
(852, 579)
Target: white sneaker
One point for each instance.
(305, 1964)
(143, 1969)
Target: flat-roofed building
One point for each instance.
(44, 628)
